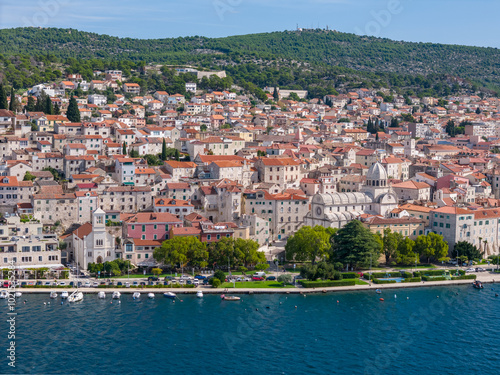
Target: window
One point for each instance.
(133, 227)
(447, 225)
(99, 242)
(209, 237)
(143, 228)
(25, 249)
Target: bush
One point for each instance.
(381, 275)
(412, 280)
(433, 273)
(379, 281)
(406, 275)
(285, 279)
(464, 277)
(216, 282)
(326, 283)
(417, 274)
(220, 275)
(428, 278)
(350, 275)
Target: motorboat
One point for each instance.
(18, 294)
(101, 295)
(170, 295)
(76, 296)
(477, 284)
(136, 295)
(151, 295)
(64, 294)
(4, 294)
(53, 295)
(116, 295)
(199, 294)
(378, 291)
(230, 298)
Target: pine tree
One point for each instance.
(275, 93)
(48, 106)
(30, 107)
(3, 98)
(57, 110)
(12, 100)
(124, 149)
(73, 113)
(164, 150)
(177, 155)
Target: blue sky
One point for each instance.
(470, 22)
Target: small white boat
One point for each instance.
(230, 298)
(170, 295)
(76, 296)
(151, 295)
(18, 294)
(4, 294)
(53, 295)
(64, 294)
(199, 294)
(101, 295)
(136, 295)
(116, 295)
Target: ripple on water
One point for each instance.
(360, 334)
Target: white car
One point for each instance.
(470, 270)
(87, 284)
(185, 277)
(196, 282)
(127, 285)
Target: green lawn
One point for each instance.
(413, 267)
(360, 282)
(255, 284)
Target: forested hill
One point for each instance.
(317, 47)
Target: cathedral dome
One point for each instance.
(376, 172)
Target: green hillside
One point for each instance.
(327, 55)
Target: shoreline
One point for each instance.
(300, 290)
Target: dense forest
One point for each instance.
(317, 60)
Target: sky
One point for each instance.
(468, 22)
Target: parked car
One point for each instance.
(200, 277)
(185, 277)
(135, 283)
(257, 278)
(205, 281)
(142, 283)
(6, 284)
(153, 278)
(127, 285)
(119, 283)
(47, 283)
(452, 261)
(480, 269)
(87, 284)
(271, 278)
(62, 283)
(168, 278)
(24, 283)
(111, 283)
(196, 282)
(470, 270)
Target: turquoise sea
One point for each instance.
(414, 333)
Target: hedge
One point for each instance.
(433, 273)
(412, 280)
(381, 275)
(417, 274)
(379, 281)
(428, 278)
(326, 283)
(407, 275)
(464, 277)
(350, 275)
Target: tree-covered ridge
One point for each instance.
(313, 46)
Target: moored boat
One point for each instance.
(101, 295)
(18, 294)
(64, 294)
(151, 295)
(116, 295)
(477, 284)
(4, 294)
(229, 298)
(170, 295)
(76, 296)
(199, 294)
(378, 291)
(53, 295)
(136, 295)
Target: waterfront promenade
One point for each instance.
(484, 277)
